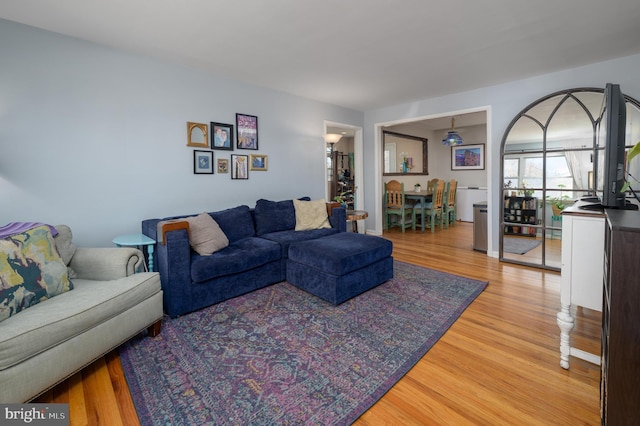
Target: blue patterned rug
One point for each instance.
(282, 356)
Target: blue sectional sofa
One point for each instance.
(256, 256)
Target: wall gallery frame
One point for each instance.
(222, 136)
(197, 134)
(223, 165)
(239, 166)
(258, 162)
(202, 162)
(467, 157)
(246, 131)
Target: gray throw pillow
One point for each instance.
(64, 243)
(205, 235)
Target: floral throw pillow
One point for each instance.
(31, 270)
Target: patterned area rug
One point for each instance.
(520, 245)
(282, 356)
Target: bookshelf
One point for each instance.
(520, 216)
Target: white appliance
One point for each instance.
(467, 196)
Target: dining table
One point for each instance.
(421, 197)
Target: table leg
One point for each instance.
(565, 322)
(150, 251)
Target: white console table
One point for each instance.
(582, 266)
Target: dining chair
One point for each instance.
(431, 183)
(433, 214)
(445, 201)
(395, 205)
(449, 207)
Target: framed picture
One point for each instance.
(239, 166)
(258, 162)
(203, 162)
(222, 136)
(247, 131)
(467, 157)
(197, 135)
(223, 165)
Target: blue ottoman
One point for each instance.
(340, 266)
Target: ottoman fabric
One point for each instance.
(341, 266)
(340, 253)
(338, 289)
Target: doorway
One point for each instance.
(341, 158)
(434, 128)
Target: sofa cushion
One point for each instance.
(239, 256)
(205, 235)
(31, 270)
(274, 216)
(311, 215)
(70, 314)
(341, 253)
(236, 222)
(285, 238)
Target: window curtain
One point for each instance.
(579, 163)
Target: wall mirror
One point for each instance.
(197, 135)
(404, 154)
(549, 159)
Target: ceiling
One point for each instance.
(359, 54)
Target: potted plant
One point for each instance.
(633, 152)
(526, 191)
(559, 202)
(417, 187)
(345, 198)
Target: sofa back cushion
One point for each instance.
(31, 270)
(275, 216)
(235, 222)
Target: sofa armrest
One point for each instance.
(174, 263)
(338, 218)
(105, 263)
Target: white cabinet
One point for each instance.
(466, 197)
(582, 265)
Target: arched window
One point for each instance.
(550, 159)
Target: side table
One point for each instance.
(356, 215)
(137, 240)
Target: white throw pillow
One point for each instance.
(311, 215)
(205, 235)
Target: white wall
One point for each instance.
(95, 137)
(504, 102)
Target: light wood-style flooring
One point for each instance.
(497, 365)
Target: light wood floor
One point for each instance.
(498, 364)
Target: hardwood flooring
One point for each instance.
(498, 364)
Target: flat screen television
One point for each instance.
(615, 123)
(611, 153)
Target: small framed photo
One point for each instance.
(223, 165)
(258, 162)
(222, 136)
(239, 166)
(203, 162)
(247, 131)
(197, 135)
(467, 157)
